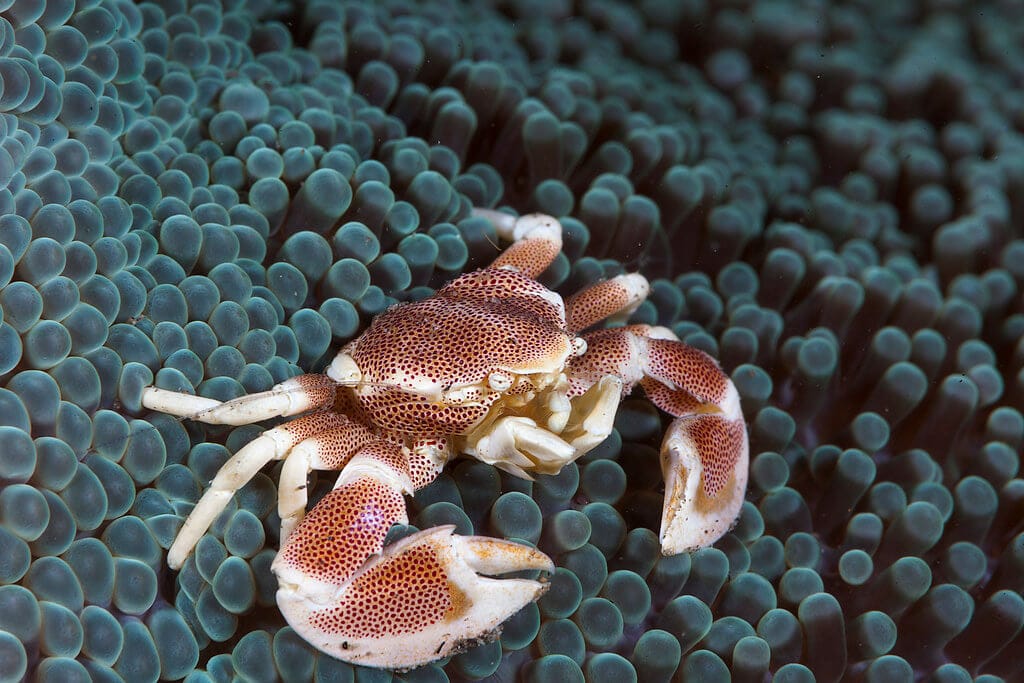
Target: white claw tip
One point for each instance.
(537, 225)
(636, 284)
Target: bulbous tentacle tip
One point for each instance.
(705, 460)
(424, 597)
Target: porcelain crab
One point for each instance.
(494, 366)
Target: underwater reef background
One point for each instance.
(828, 197)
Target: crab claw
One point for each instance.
(704, 459)
(422, 598)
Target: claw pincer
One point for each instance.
(419, 600)
(494, 366)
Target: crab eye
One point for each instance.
(344, 370)
(499, 381)
(579, 345)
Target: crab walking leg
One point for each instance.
(536, 240)
(291, 397)
(705, 452)
(328, 450)
(176, 402)
(272, 444)
(617, 297)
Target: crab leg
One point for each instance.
(705, 452)
(536, 240)
(617, 297)
(400, 606)
(272, 444)
(328, 450)
(291, 397)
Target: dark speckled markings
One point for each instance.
(819, 200)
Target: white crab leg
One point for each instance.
(176, 402)
(536, 240)
(272, 444)
(328, 450)
(291, 397)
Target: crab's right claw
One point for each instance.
(705, 455)
(705, 460)
(423, 598)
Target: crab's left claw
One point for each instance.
(423, 598)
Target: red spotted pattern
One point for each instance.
(399, 596)
(409, 414)
(510, 287)
(455, 340)
(609, 352)
(674, 402)
(594, 304)
(343, 529)
(391, 455)
(311, 425)
(692, 370)
(335, 447)
(423, 470)
(320, 389)
(719, 443)
(346, 403)
(530, 256)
